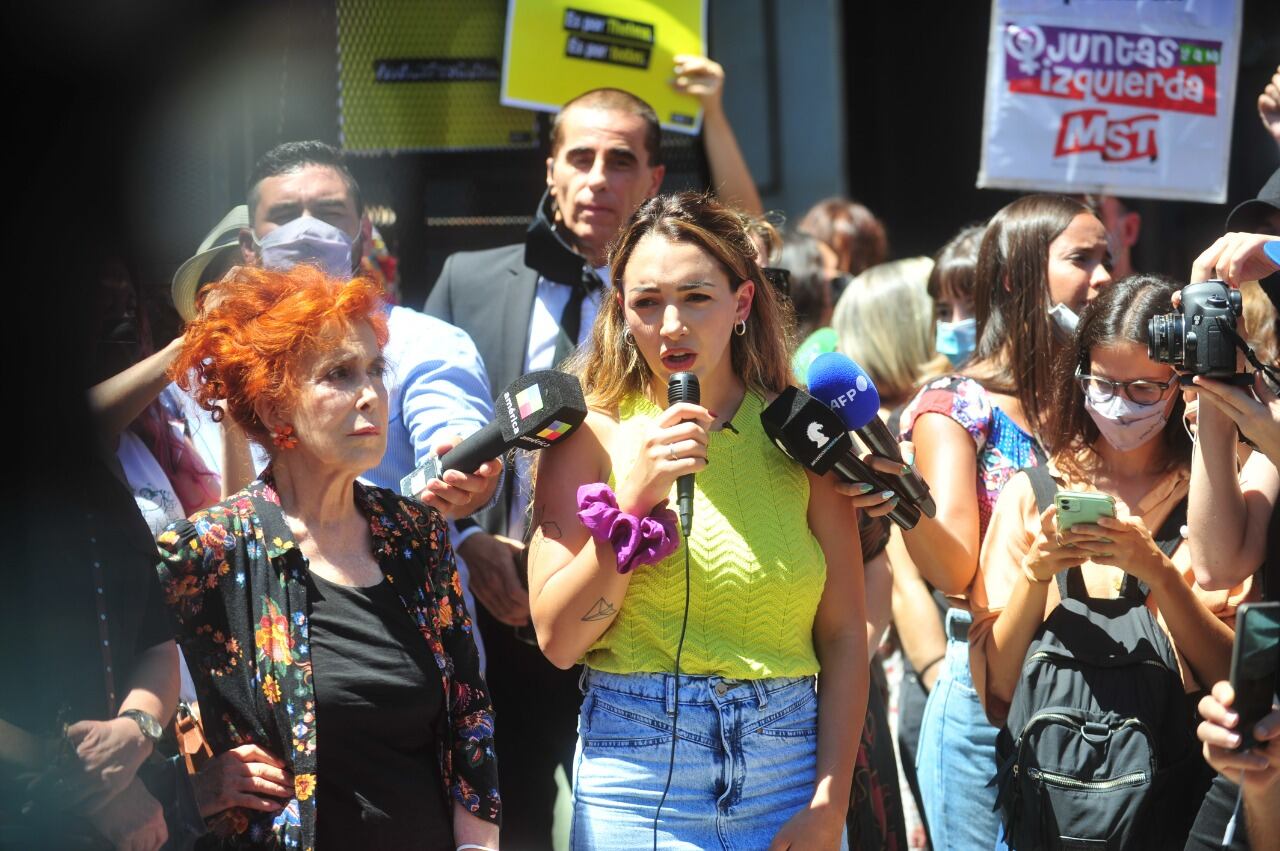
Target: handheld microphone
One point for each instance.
(808, 432)
(536, 410)
(843, 385)
(683, 387)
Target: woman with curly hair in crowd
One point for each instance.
(311, 600)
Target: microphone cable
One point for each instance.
(675, 715)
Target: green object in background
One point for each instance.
(818, 343)
(424, 77)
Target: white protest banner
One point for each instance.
(1126, 97)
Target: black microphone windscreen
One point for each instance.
(683, 387)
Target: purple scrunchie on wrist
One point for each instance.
(635, 540)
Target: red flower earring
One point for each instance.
(283, 437)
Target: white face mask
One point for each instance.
(307, 240)
(1065, 321)
(1125, 424)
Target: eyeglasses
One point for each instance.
(1140, 392)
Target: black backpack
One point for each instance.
(1098, 745)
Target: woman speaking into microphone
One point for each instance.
(726, 674)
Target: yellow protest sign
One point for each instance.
(557, 49)
(424, 77)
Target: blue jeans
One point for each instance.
(744, 760)
(956, 759)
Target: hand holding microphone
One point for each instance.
(673, 451)
(843, 385)
(535, 411)
(811, 434)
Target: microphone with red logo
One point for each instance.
(847, 389)
(683, 387)
(535, 411)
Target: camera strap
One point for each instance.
(1269, 372)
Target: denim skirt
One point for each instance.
(744, 760)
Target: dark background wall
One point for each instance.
(146, 117)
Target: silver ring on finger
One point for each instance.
(671, 452)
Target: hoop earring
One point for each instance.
(627, 337)
(740, 327)
(284, 438)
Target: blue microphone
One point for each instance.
(845, 387)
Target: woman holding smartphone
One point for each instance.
(1041, 259)
(1114, 429)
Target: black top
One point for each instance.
(378, 690)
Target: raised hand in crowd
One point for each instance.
(730, 177)
(1256, 414)
(1269, 106)
(1235, 258)
(457, 494)
(1229, 507)
(117, 401)
(247, 777)
(494, 576)
(132, 820)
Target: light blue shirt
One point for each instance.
(437, 387)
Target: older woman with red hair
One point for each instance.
(310, 599)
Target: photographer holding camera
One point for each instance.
(1234, 527)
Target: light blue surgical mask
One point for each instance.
(957, 340)
(307, 240)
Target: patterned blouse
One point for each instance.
(1002, 446)
(234, 582)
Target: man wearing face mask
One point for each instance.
(305, 207)
(528, 306)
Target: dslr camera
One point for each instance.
(1201, 339)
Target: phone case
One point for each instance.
(1076, 507)
(1255, 656)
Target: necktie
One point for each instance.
(571, 319)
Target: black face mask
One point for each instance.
(548, 254)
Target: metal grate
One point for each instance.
(424, 77)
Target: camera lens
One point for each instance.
(1165, 340)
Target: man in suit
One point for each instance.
(527, 306)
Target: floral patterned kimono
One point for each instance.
(234, 581)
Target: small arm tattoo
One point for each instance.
(602, 610)
(551, 530)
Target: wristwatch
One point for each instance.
(147, 723)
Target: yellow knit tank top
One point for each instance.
(756, 572)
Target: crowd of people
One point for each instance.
(780, 665)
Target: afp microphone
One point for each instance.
(807, 431)
(683, 387)
(843, 385)
(538, 409)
